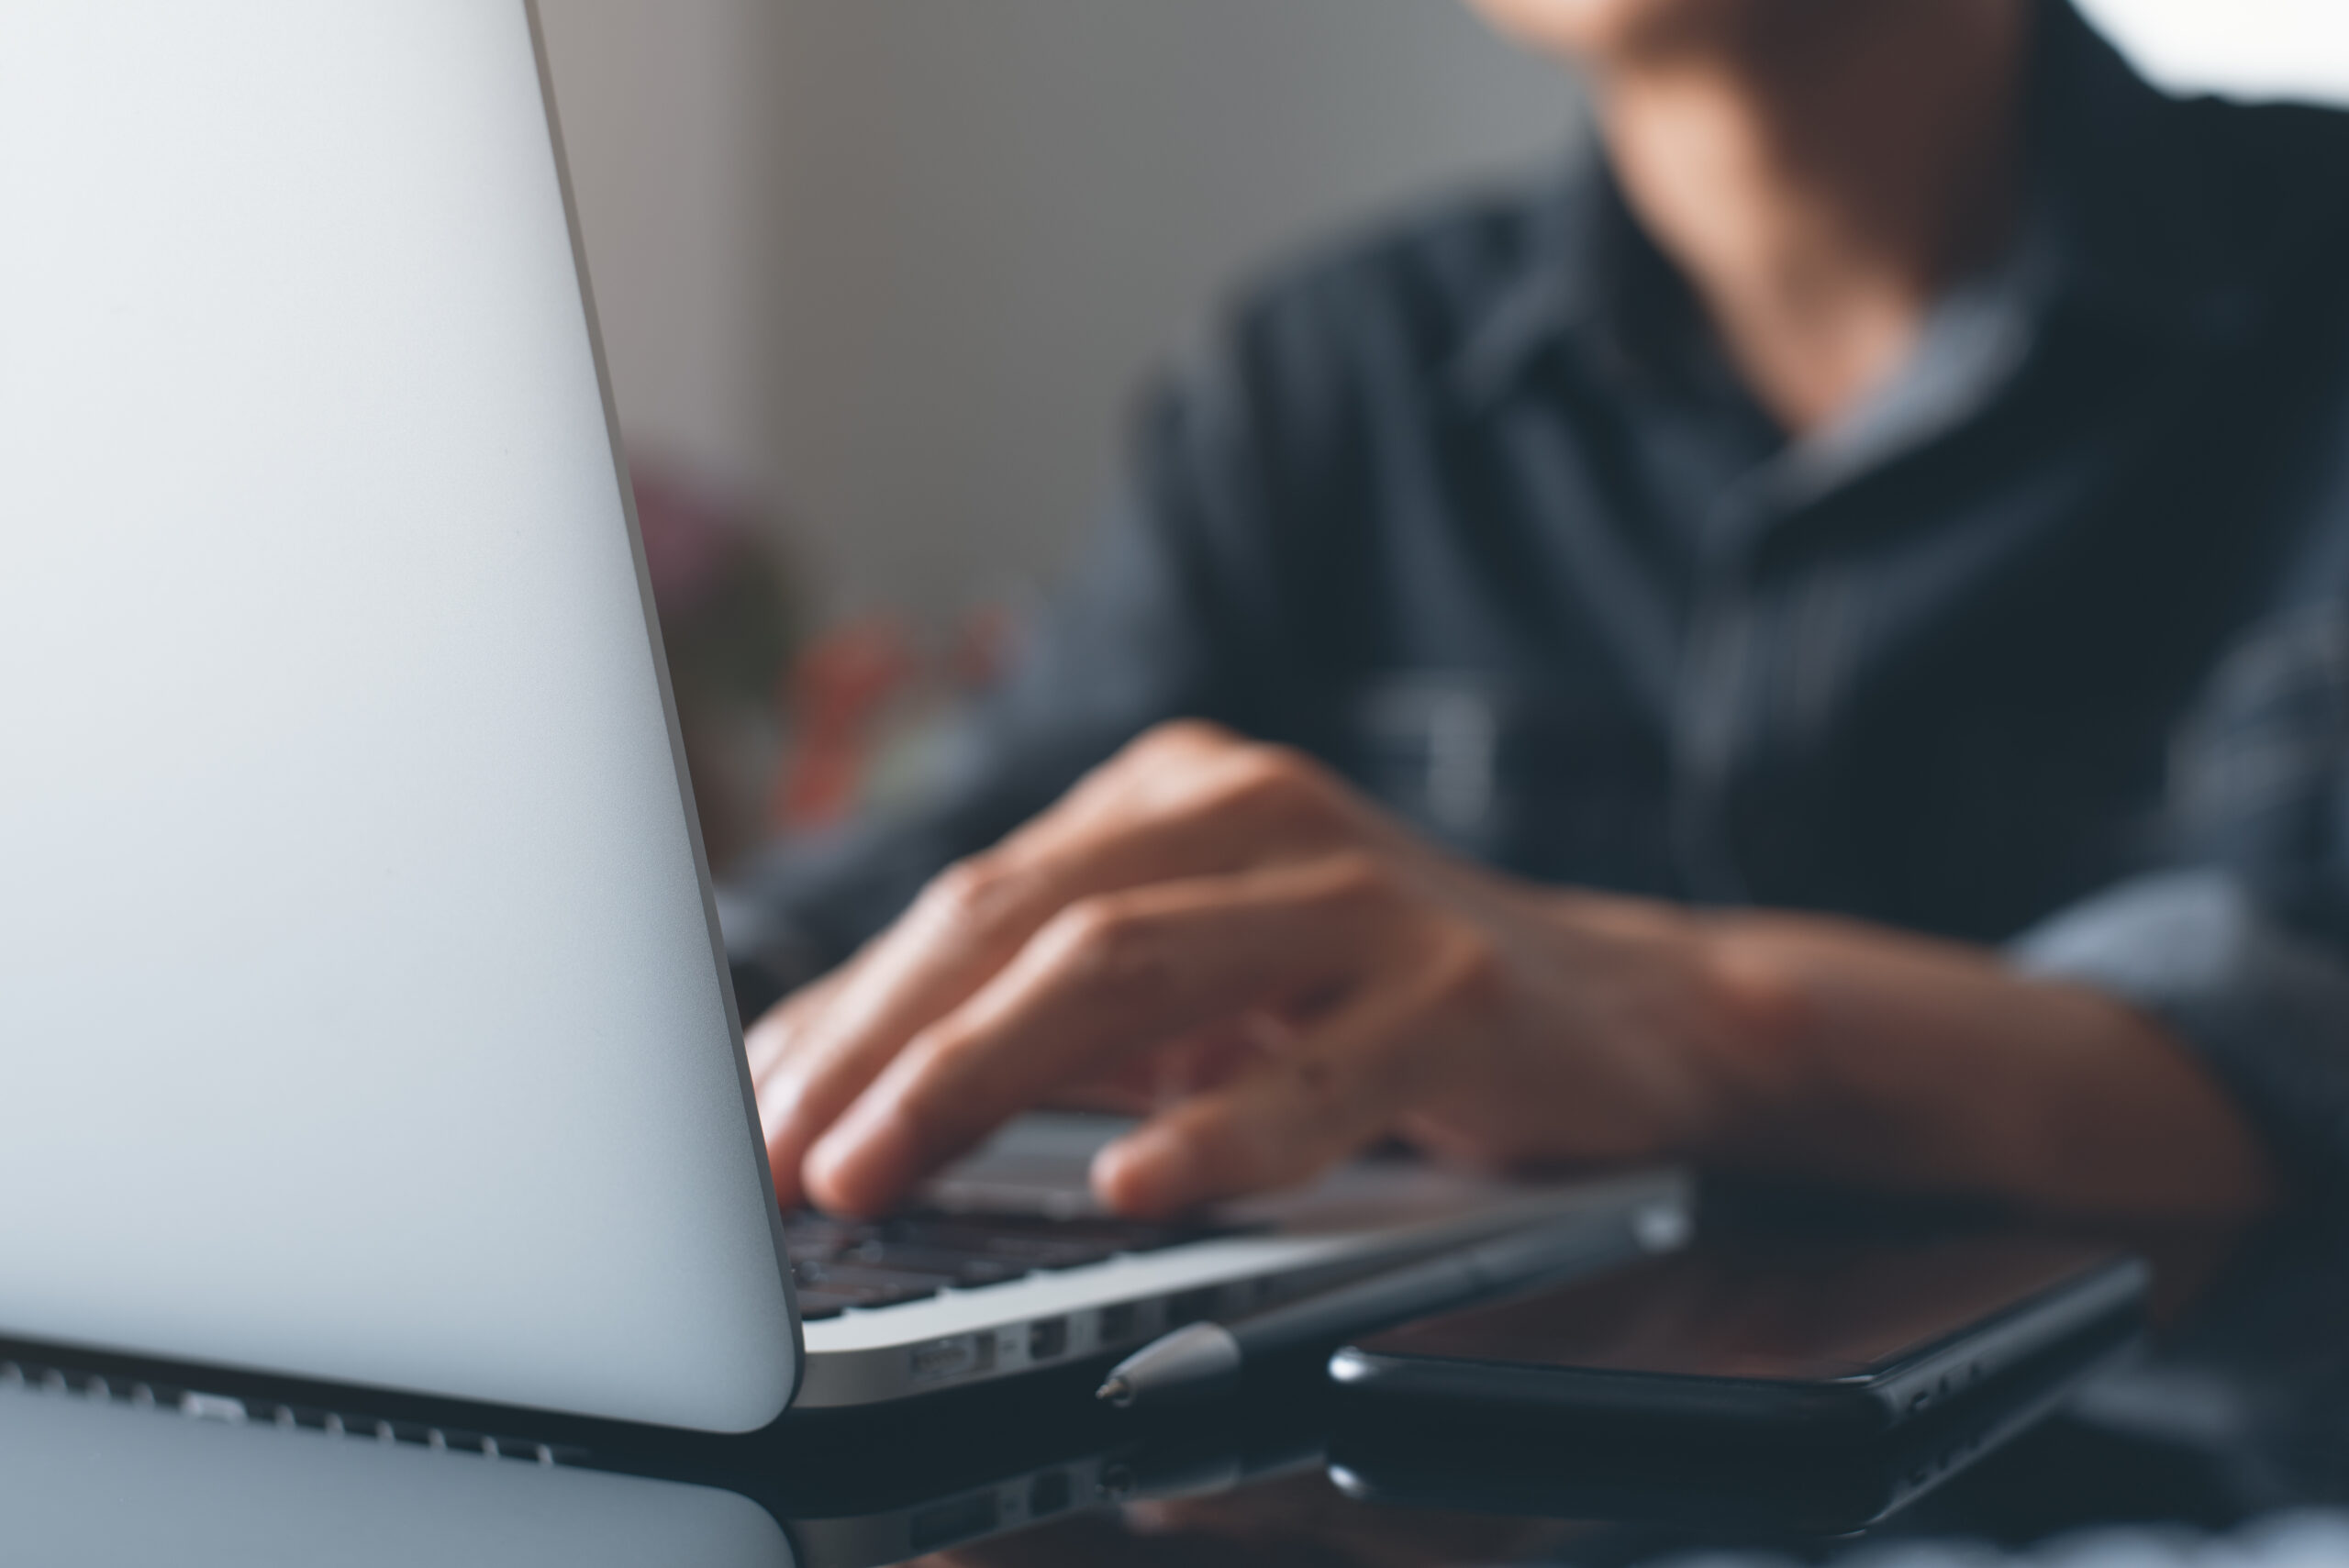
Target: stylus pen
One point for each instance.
(1203, 1358)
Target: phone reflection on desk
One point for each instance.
(96, 1475)
(1204, 1461)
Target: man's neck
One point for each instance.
(1821, 184)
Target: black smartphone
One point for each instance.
(1794, 1489)
(1787, 1337)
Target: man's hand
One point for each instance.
(1224, 933)
(1227, 921)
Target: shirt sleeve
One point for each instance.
(2265, 1006)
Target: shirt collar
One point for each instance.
(2119, 225)
(1568, 281)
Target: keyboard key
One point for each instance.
(1044, 1243)
(860, 1287)
(815, 1236)
(963, 1269)
(840, 1263)
(839, 1277)
(1027, 1251)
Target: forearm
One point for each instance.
(1866, 1054)
(1201, 887)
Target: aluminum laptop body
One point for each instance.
(362, 1015)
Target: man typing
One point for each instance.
(1817, 641)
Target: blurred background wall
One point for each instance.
(883, 275)
(896, 265)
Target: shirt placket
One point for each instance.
(1707, 719)
(1719, 700)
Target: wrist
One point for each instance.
(1711, 1019)
(1746, 1042)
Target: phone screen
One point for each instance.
(1793, 1309)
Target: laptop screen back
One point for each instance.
(359, 1009)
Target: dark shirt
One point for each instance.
(2045, 645)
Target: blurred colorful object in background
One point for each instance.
(872, 710)
(839, 690)
(730, 625)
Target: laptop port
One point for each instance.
(959, 1518)
(1047, 1339)
(1048, 1494)
(1119, 1322)
(1190, 1306)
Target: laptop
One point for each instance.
(361, 1003)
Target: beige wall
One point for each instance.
(899, 264)
(660, 103)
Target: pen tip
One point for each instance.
(1117, 1391)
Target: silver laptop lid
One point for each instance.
(360, 1012)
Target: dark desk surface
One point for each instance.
(2238, 1416)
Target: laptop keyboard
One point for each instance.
(839, 1263)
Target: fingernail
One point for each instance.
(785, 1140)
(860, 1163)
(1140, 1172)
(821, 1167)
